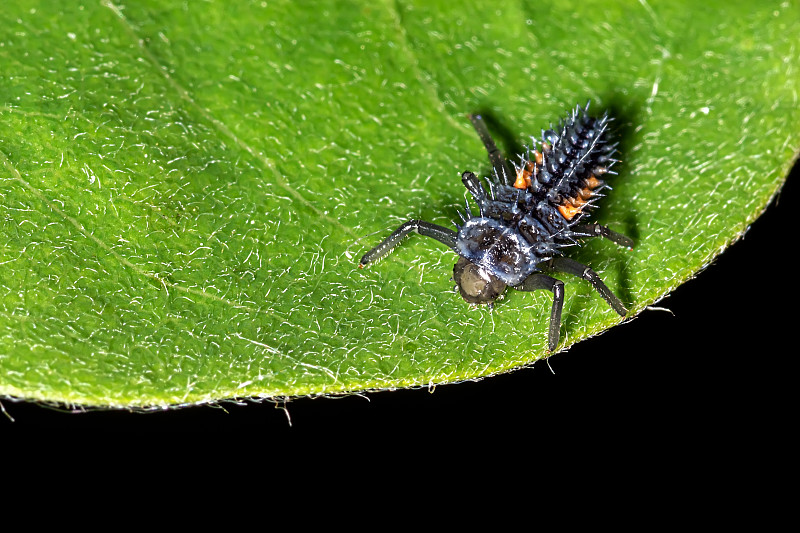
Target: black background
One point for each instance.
(719, 364)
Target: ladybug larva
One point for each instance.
(528, 212)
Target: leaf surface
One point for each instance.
(186, 188)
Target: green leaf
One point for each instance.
(186, 187)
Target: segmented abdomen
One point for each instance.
(567, 171)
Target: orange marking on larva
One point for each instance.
(572, 206)
(568, 211)
(524, 176)
(538, 156)
(521, 182)
(579, 201)
(592, 182)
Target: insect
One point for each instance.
(527, 216)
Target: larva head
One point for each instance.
(476, 284)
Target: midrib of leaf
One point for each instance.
(218, 124)
(412, 59)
